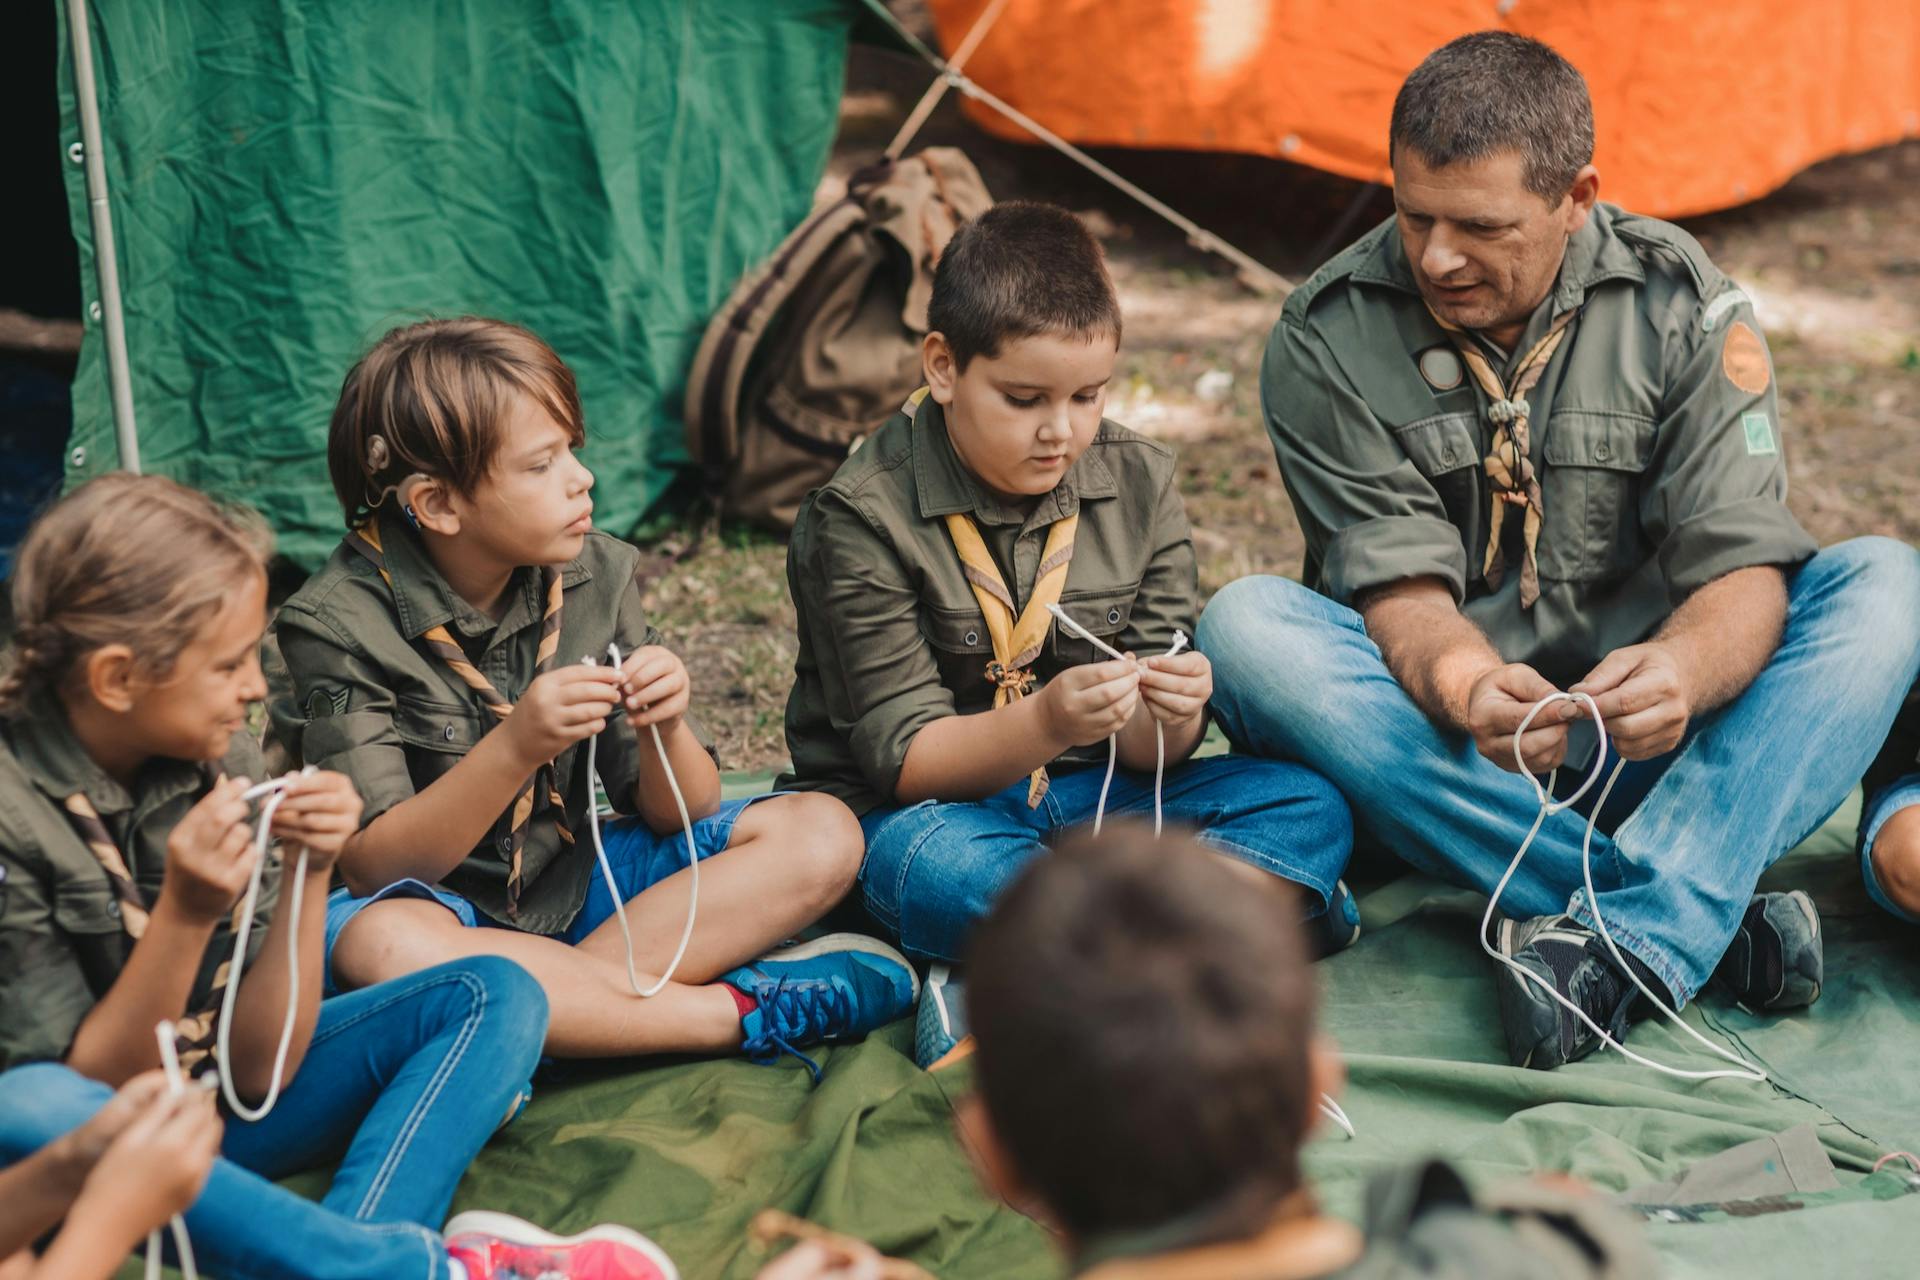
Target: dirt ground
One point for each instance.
(1833, 260)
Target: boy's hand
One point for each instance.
(76, 1153)
(655, 685)
(321, 810)
(1086, 703)
(566, 705)
(209, 856)
(156, 1167)
(1176, 688)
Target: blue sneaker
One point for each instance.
(942, 1020)
(834, 988)
(1336, 928)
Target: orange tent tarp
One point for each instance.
(1698, 105)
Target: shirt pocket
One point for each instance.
(1446, 450)
(88, 913)
(1595, 461)
(962, 648)
(1106, 613)
(437, 735)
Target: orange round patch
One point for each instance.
(1744, 359)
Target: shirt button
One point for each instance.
(973, 637)
(1113, 616)
(1448, 458)
(1603, 451)
(447, 733)
(113, 909)
(506, 842)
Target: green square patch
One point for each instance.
(1759, 435)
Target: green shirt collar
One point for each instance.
(943, 485)
(423, 599)
(1594, 254)
(42, 741)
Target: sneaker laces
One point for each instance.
(791, 1011)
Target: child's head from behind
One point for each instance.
(1146, 1056)
(472, 424)
(1023, 328)
(143, 601)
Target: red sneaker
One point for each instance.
(496, 1246)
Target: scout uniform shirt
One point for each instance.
(1422, 1223)
(1654, 435)
(892, 636)
(370, 699)
(63, 935)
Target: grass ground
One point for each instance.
(1833, 260)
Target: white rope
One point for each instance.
(163, 1031)
(1331, 1110)
(606, 867)
(938, 89)
(1745, 1070)
(1254, 273)
(275, 791)
(1113, 740)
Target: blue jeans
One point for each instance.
(404, 1082)
(1685, 837)
(935, 868)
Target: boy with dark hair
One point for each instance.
(934, 693)
(1148, 1071)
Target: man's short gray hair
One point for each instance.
(1493, 91)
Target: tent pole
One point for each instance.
(106, 266)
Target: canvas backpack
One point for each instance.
(820, 343)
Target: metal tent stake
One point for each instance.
(105, 265)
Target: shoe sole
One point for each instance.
(832, 942)
(504, 1226)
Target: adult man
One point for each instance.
(1533, 443)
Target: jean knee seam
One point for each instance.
(892, 918)
(417, 1115)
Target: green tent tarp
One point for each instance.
(290, 180)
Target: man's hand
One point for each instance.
(1087, 703)
(566, 705)
(209, 856)
(1176, 688)
(654, 683)
(1497, 704)
(1643, 699)
(321, 810)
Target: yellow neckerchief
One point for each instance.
(1510, 466)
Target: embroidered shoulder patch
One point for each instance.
(1759, 431)
(324, 702)
(1743, 358)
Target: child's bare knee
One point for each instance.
(1896, 859)
(825, 837)
(392, 938)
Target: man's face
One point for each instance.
(1484, 250)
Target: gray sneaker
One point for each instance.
(1776, 960)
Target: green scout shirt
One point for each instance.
(1658, 471)
(61, 940)
(891, 636)
(368, 700)
(1423, 1223)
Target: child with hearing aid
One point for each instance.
(146, 921)
(475, 657)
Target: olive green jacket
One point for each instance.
(362, 695)
(891, 636)
(1656, 437)
(61, 941)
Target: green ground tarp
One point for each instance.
(689, 1152)
(289, 180)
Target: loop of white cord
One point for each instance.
(606, 867)
(163, 1031)
(1113, 740)
(1745, 1070)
